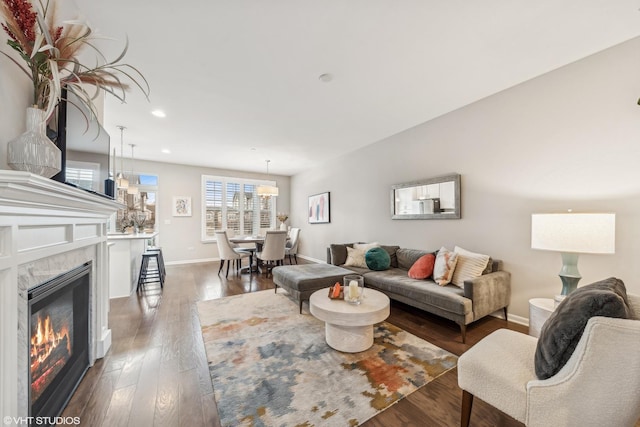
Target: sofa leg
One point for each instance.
(463, 332)
(506, 319)
(275, 288)
(465, 412)
(300, 306)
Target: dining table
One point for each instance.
(258, 241)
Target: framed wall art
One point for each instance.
(181, 206)
(319, 208)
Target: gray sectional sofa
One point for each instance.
(481, 296)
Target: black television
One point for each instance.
(86, 149)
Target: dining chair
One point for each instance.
(273, 249)
(230, 254)
(291, 248)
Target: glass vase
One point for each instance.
(353, 288)
(33, 151)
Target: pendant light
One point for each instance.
(267, 190)
(133, 189)
(121, 181)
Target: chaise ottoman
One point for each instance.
(304, 279)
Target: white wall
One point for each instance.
(180, 238)
(15, 97)
(568, 139)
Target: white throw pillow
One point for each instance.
(355, 258)
(366, 246)
(444, 266)
(470, 265)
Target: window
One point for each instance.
(233, 204)
(83, 174)
(140, 208)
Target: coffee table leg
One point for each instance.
(349, 339)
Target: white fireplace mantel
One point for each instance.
(46, 228)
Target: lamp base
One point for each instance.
(557, 300)
(569, 284)
(569, 274)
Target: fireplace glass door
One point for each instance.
(59, 343)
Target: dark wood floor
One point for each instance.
(155, 373)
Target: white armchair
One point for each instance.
(599, 385)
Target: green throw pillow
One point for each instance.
(377, 259)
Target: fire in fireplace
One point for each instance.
(51, 344)
(59, 344)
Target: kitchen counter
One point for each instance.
(130, 236)
(125, 257)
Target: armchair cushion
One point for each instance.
(562, 331)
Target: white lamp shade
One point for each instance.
(122, 182)
(267, 190)
(590, 233)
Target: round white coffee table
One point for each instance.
(348, 327)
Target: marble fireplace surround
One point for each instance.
(46, 228)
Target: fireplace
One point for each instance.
(59, 340)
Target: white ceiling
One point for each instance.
(238, 79)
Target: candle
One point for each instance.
(353, 289)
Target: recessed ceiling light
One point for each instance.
(166, 151)
(159, 113)
(325, 78)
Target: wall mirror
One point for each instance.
(435, 198)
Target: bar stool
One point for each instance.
(160, 260)
(150, 274)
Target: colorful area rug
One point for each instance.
(271, 366)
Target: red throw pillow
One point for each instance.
(423, 267)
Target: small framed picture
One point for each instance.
(319, 209)
(181, 206)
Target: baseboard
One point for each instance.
(103, 344)
(192, 261)
(308, 258)
(512, 318)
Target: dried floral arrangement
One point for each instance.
(50, 52)
(282, 217)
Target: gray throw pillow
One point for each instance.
(562, 331)
(391, 250)
(339, 253)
